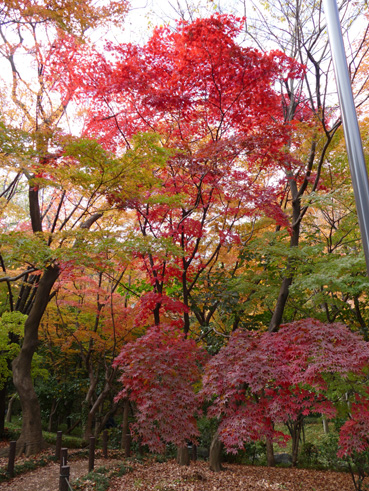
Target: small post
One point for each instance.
(11, 459)
(91, 454)
(127, 445)
(63, 457)
(105, 444)
(58, 444)
(64, 478)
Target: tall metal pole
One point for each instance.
(350, 123)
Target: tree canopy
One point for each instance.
(178, 223)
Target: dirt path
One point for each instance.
(47, 478)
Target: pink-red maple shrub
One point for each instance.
(354, 434)
(159, 373)
(260, 379)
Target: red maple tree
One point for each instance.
(214, 106)
(260, 379)
(159, 371)
(213, 103)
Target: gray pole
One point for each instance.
(350, 123)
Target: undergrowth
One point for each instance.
(99, 479)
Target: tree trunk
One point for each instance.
(215, 454)
(88, 402)
(9, 411)
(295, 430)
(125, 427)
(297, 215)
(325, 424)
(280, 305)
(54, 407)
(71, 428)
(87, 433)
(31, 440)
(295, 447)
(287, 280)
(270, 453)
(105, 419)
(183, 456)
(94, 406)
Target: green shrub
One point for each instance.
(327, 452)
(207, 428)
(68, 441)
(115, 437)
(309, 455)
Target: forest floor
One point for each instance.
(168, 476)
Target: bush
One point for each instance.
(309, 455)
(327, 452)
(11, 432)
(207, 428)
(68, 441)
(115, 437)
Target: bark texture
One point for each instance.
(183, 456)
(295, 429)
(294, 242)
(270, 453)
(31, 440)
(215, 455)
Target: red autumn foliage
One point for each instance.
(159, 371)
(168, 306)
(214, 104)
(354, 433)
(260, 379)
(193, 84)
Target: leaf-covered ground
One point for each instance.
(168, 476)
(197, 477)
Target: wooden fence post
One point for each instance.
(91, 454)
(11, 459)
(64, 478)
